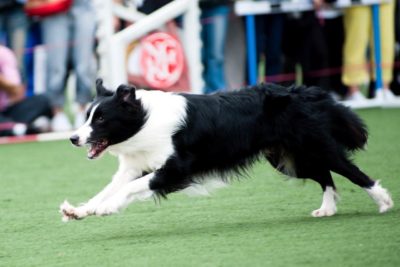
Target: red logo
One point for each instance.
(161, 60)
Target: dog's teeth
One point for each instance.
(91, 153)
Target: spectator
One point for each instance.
(358, 32)
(69, 38)
(269, 43)
(304, 44)
(14, 26)
(19, 115)
(395, 85)
(333, 32)
(214, 18)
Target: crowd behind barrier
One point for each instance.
(323, 43)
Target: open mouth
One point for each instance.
(96, 148)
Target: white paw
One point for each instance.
(70, 212)
(323, 212)
(381, 196)
(385, 204)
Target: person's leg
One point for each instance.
(273, 45)
(6, 125)
(29, 109)
(83, 34)
(313, 56)
(291, 35)
(357, 25)
(17, 31)
(215, 34)
(84, 65)
(334, 36)
(56, 37)
(2, 26)
(261, 37)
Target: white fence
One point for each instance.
(112, 45)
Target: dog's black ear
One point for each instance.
(126, 93)
(100, 89)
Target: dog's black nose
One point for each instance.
(75, 140)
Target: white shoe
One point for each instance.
(60, 123)
(379, 96)
(391, 100)
(19, 129)
(388, 94)
(42, 124)
(80, 119)
(356, 97)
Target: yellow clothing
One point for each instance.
(358, 32)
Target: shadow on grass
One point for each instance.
(189, 229)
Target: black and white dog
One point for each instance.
(167, 142)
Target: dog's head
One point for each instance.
(112, 118)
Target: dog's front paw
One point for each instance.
(67, 211)
(324, 212)
(70, 212)
(385, 205)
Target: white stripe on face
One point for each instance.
(84, 131)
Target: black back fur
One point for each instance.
(302, 131)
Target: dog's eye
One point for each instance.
(100, 119)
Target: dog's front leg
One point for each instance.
(139, 189)
(123, 176)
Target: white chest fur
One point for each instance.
(152, 145)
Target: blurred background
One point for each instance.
(51, 51)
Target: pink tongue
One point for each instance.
(92, 152)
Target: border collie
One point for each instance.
(167, 142)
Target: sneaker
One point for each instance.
(42, 124)
(60, 123)
(80, 119)
(19, 129)
(388, 94)
(356, 97)
(379, 96)
(391, 100)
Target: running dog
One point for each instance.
(167, 142)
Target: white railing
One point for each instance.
(112, 46)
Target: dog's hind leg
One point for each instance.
(299, 167)
(328, 206)
(379, 194)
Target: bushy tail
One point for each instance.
(347, 128)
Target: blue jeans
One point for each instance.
(69, 38)
(14, 26)
(214, 29)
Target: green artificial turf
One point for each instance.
(262, 221)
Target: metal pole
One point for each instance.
(251, 50)
(377, 47)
